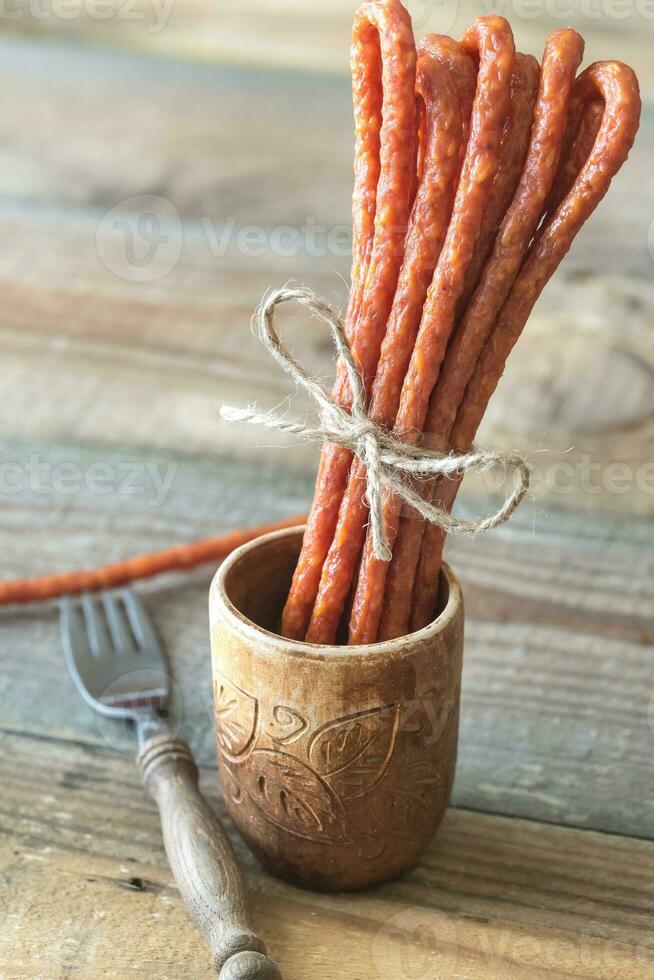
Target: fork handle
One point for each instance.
(203, 861)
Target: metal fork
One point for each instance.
(118, 666)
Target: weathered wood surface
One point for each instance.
(560, 630)
(112, 361)
(90, 353)
(205, 868)
(304, 36)
(353, 757)
(91, 894)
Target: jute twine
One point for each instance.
(392, 466)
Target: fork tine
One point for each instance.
(122, 641)
(73, 634)
(140, 623)
(96, 629)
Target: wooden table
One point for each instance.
(113, 367)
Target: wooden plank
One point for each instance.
(294, 35)
(117, 371)
(182, 140)
(122, 365)
(86, 344)
(69, 374)
(76, 369)
(138, 125)
(560, 628)
(88, 892)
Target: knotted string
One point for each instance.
(391, 465)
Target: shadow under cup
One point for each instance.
(336, 763)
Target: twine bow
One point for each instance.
(391, 465)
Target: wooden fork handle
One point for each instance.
(203, 861)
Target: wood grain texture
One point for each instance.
(150, 371)
(91, 892)
(100, 365)
(256, 32)
(205, 868)
(90, 353)
(558, 659)
(336, 766)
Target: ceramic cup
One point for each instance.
(336, 762)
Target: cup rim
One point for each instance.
(323, 651)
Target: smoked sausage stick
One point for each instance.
(489, 40)
(562, 56)
(615, 84)
(446, 83)
(385, 133)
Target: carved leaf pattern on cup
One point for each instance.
(417, 784)
(371, 848)
(236, 717)
(411, 788)
(424, 720)
(287, 725)
(354, 752)
(293, 796)
(230, 781)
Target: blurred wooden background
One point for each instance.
(161, 165)
(238, 124)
